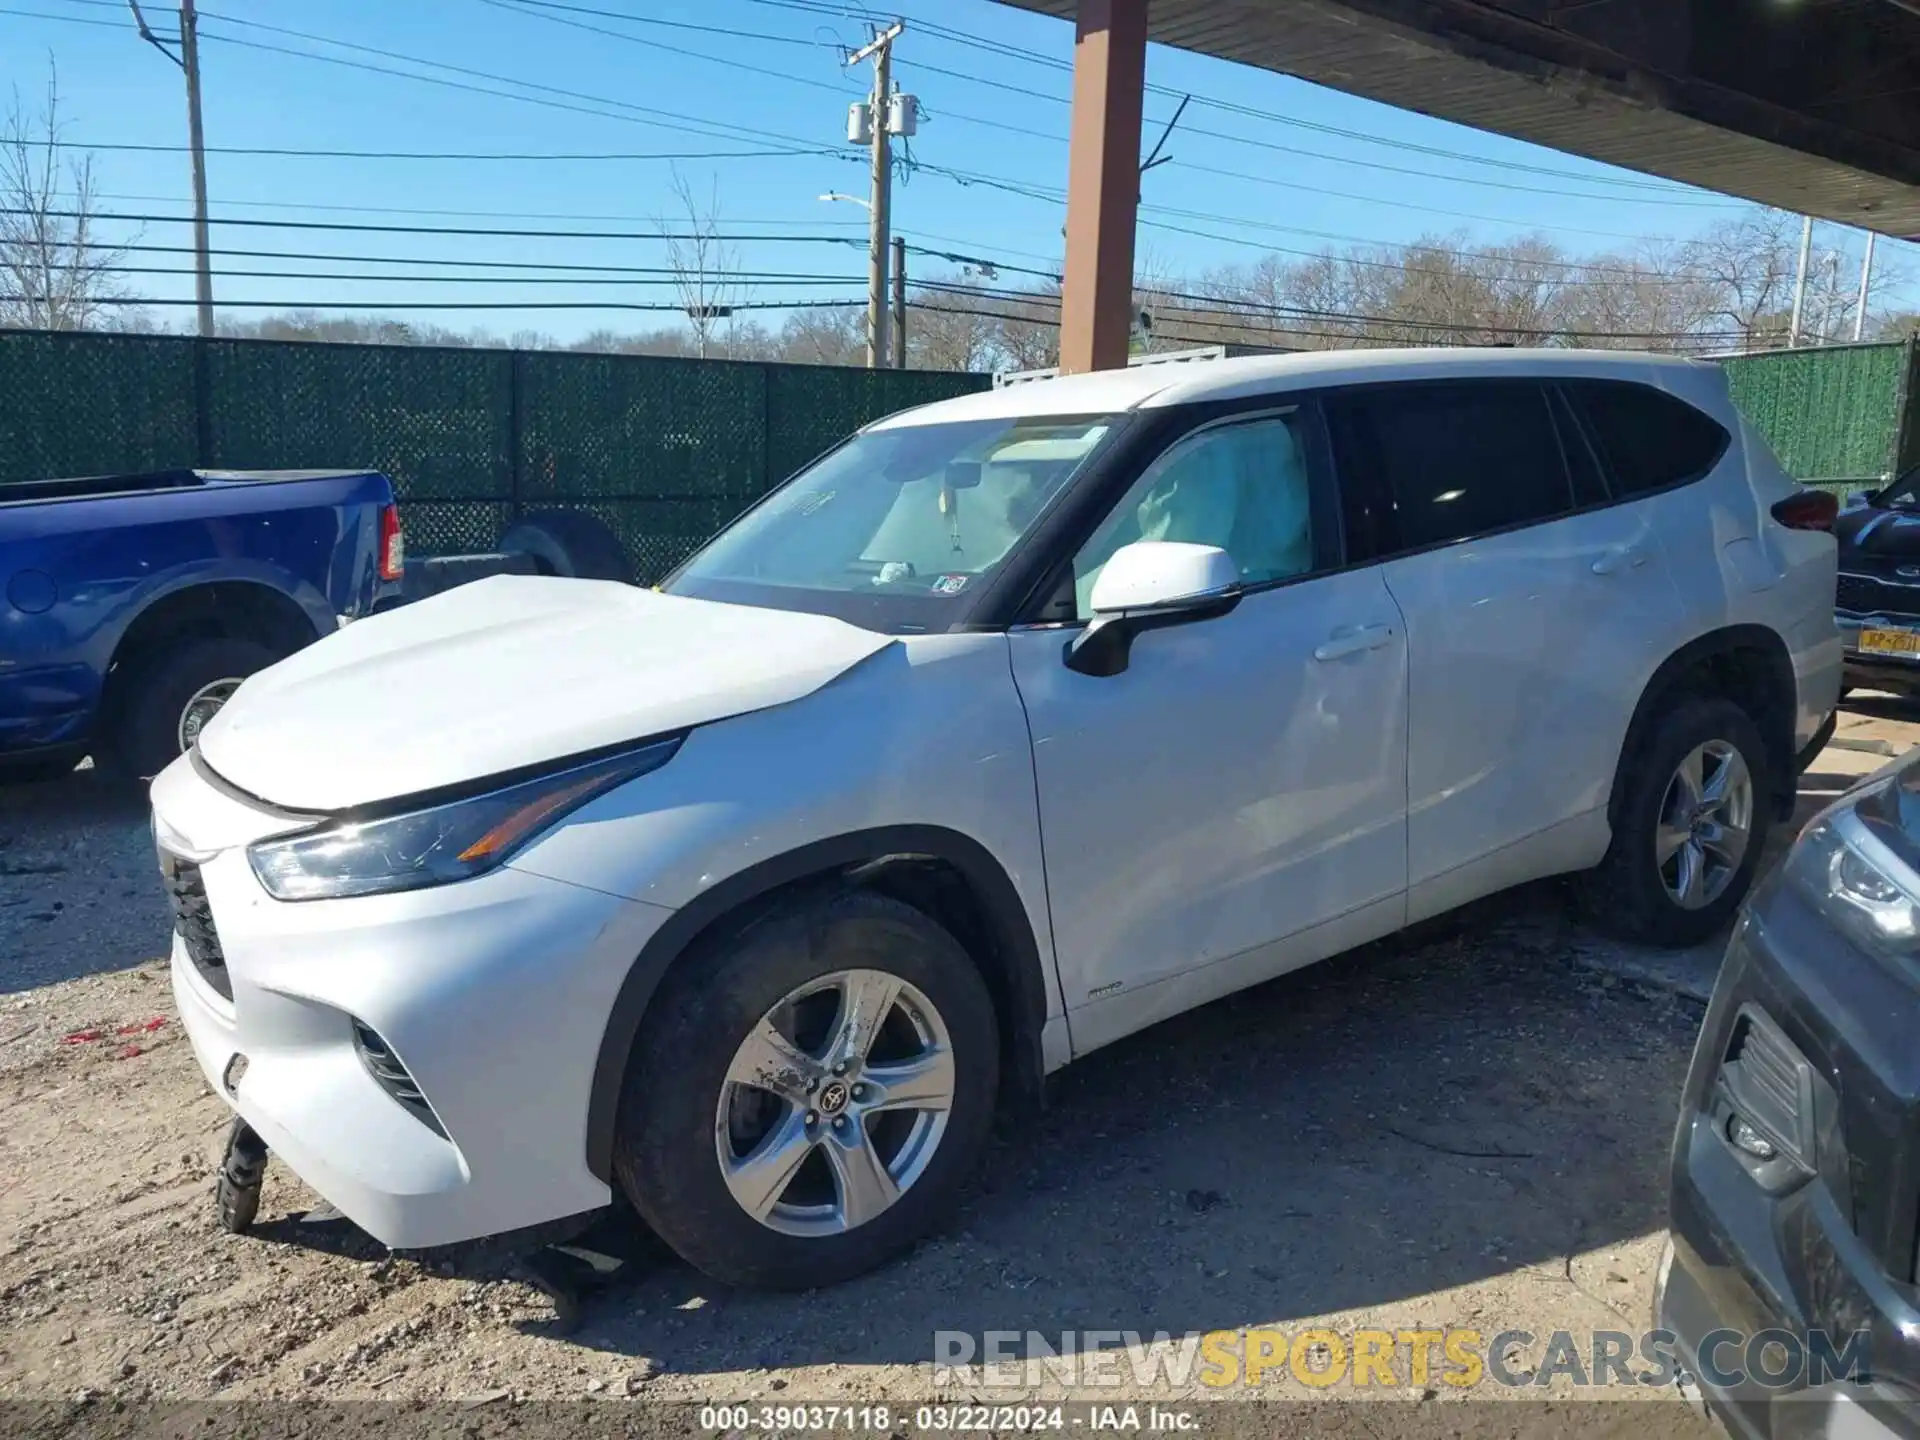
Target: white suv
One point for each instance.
(1013, 725)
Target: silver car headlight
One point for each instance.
(1860, 885)
(438, 844)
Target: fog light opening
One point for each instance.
(1749, 1141)
(230, 1077)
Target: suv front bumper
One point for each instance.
(1825, 1246)
(490, 996)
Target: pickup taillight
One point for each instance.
(393, 545)
(1807, 510)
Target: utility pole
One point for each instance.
(879, 136)
(1800, 281)
(1866, 283)
(899, 302)
(189, 62)
(196, 137)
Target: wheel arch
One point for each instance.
(950, 876)
(1747, 664)
(236, 609)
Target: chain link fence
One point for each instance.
(664, 450)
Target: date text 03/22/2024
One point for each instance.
(935, 1419)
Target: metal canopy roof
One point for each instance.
(1812, 106)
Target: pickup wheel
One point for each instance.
(1689, 827)
(571, 543)
(168, 695)
(807, 1096)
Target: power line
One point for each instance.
(1250, 309)
(1009, 51)
(367, 227)
(520, 7)
(1055, 197)
(640, 114)
(1401, 267)
(730, 61)
(1667, 195)
(960, 176)
(1052, 137)
(756, 279)
(1052, 196)
(1230, 331)
(440, 261)
(671, 24)
(294, 152)
(140, 302)
(1048, 323)
(467, 214)
(65, 19)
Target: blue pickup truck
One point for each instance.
(132, 606)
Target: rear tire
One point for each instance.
(571, 543)
(145, 734)
(1631, 894)
(676, 1110)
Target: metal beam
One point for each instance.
(1103, 183)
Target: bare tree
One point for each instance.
(705, 268)
(826, 336)
(56, 274)
(1750, 264)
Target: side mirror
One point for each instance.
(1857, 498)
(1150, 585)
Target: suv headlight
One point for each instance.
(1859, 884)
(437, 844)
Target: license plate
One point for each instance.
(1890, 642)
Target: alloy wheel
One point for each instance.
(834, 1103)
(202, 706)
(1706, 822)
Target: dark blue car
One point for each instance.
(132, 606)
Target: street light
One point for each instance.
(850, 199)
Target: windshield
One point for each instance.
(898, 527)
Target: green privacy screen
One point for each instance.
(664, 450)
(1837, 416)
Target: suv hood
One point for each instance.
(1867, 530)
(506, 672)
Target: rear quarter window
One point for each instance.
(1647, 439)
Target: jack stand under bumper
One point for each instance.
(236, 1197)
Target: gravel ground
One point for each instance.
(1467, 1129)
(79, 894)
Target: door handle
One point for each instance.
(1621, 557)
(1366, 637)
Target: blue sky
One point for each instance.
(1313, 167)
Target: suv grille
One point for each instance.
(1867, 595)
(193, 920)
(394, 1078)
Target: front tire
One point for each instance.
(1690, 824)
(744, 1146)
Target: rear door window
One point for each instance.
(1648, 440)
(1452, 460)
